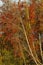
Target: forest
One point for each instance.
(21, 33)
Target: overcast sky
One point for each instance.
(1, 3)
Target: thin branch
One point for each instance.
(28, 41)
(35, 50)
(21, 50)
(40, 46)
